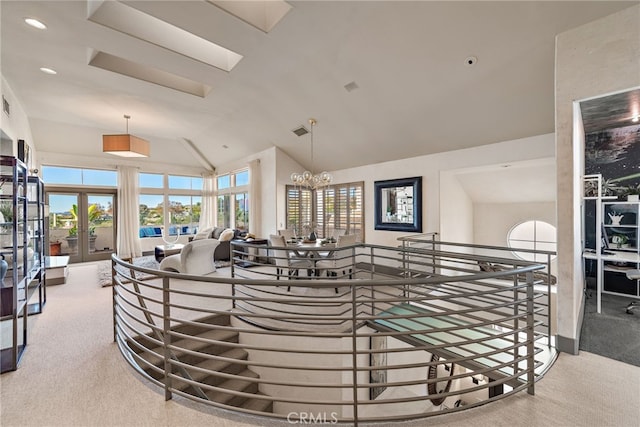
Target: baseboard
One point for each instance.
(572, 345)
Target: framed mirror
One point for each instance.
(398, 204)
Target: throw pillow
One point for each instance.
(226, 235)
(216, 232)
(204, 234)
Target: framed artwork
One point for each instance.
(378, 360)
(398, 204)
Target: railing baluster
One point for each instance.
(298, 340)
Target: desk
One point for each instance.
(612, 256)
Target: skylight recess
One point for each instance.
(140, 25)
(262, 14)
(125, 67)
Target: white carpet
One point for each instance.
(72, 374)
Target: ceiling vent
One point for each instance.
(351, 86)
(300, 131)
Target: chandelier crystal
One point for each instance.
(309, 179)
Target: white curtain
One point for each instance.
(255, 198)
(128, 239)
(208, 211)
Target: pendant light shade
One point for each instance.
(125, 145)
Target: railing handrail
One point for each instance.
(490, 321)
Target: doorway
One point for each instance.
(82, 224)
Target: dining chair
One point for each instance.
(285, 260)
(340, 261)
(337, 232)
(287, 233)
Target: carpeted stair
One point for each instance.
(227, 371)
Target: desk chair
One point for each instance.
(633, 275)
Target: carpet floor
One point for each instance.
(611, 333)
(72, 374)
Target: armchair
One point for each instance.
(197, 257)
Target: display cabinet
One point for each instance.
(37, 295)
(21, 250)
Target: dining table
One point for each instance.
(312, 250)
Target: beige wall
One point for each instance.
(592, 60)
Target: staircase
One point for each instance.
(229, 361)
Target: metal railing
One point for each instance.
(414, 333)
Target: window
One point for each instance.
(339, 207)
(299, 209)
(175, 206)
(151, 180)
(534, 235)
(185, 182)
(232, 202)
(56, 175)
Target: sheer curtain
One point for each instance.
(255, 198)
(208, 211)
(128, 239)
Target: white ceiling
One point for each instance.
(416, 96)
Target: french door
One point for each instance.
(82, 223)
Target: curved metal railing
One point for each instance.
(379, 346)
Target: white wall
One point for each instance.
(430, 168)
(492, 221)
(456, 210)
(16, 125)
(592, 60)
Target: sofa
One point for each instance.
(224, 236)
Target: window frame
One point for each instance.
(319, 206)
(535, 241)
(167, 193)
(227, 218)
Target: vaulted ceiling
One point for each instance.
(385, 79)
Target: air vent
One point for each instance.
(351, 86)
(300, 131)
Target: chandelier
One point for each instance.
(309, 179)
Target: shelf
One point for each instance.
(24, 248)
(617, 268)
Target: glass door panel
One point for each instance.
(63, 225)
(81, 225)
(100, 225)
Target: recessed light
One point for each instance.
(48, 70)
(35, 23)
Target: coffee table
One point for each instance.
(162, 251)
